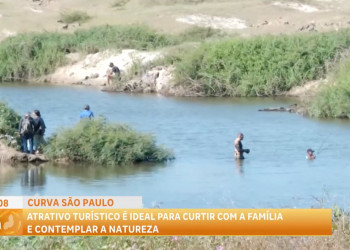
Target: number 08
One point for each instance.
(4, 203)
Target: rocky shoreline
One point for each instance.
(12, 156)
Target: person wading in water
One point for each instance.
(310, 154)
(239, 147)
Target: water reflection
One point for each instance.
(239, 165)
(33, 176)
(87, 172)
(8, 174)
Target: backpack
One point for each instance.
(27, 127)
(116, 70)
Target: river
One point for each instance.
(200, 131)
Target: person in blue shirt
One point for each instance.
(86, 113)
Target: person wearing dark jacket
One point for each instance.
(26, 129)
(39, 131)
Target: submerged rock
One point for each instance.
(294, 108)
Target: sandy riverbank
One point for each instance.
(90, 70)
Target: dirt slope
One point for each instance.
(253, 16)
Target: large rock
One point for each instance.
(10, 155)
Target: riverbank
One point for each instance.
(215, 67)
(137, 73)
(11, 156)
(297, 65)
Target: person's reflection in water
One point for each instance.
(239, 166)
(33, 176)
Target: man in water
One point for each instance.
(86, 113)
(239, 147)
(310, 154)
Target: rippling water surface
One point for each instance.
(201, 133)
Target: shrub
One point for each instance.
(9, 120)
(262, 66)
(333, 100)
(101, 142)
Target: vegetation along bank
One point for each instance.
(205, 62)
(95, 141)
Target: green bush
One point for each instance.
(262, 66)
(120, 37)
(30, 55)
(9, 120)
(100, 142)
(333, 100)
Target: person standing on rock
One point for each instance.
(112, 72)
(86, 113)
(39, 131)
(26, 131)
(239, 147)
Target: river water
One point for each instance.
(200, 131)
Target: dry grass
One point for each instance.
(162, 14)
(120, 3)
(171, 2)
(74, 17)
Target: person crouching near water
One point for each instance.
(239, 147)
(112, 72)
(310, 154)
(39, 131)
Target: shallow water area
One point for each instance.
(200, 131)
